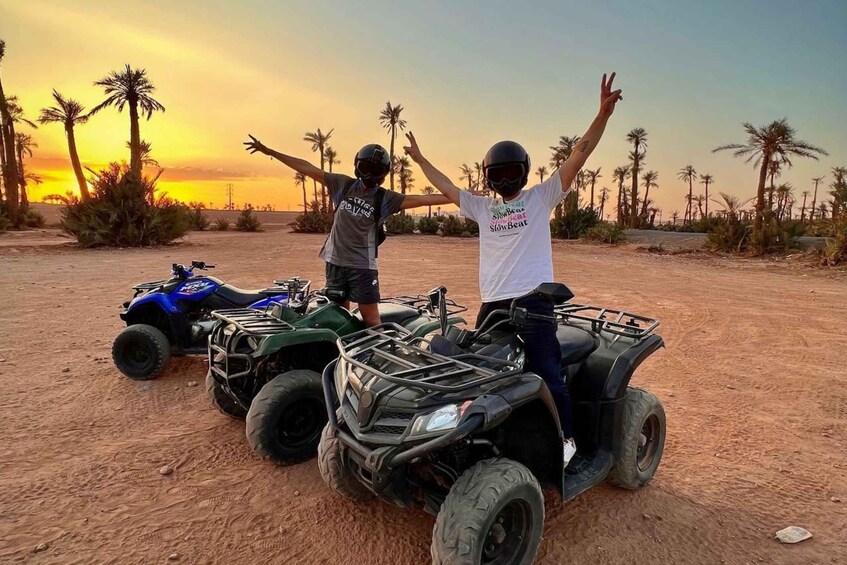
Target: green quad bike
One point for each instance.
(266, 365)
(455, 425)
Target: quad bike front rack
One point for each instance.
(608, 320)
(224, 361)
(420, 368)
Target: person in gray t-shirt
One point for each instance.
(362, 205)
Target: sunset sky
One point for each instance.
(468, 74)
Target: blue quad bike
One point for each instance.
(174, 316)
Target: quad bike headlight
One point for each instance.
(440, 420)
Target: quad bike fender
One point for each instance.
(499, 404)
(155, 300)
(625, 364)
(274, 343)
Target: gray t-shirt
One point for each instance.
(352, 241)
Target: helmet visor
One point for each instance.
(505, 174)
(369, 169)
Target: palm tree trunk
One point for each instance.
(633, 204)
(22, 179)
(323, 187)
(134, 139)
(620, 203)
(814, 201)
(305, 203)
(10, 170)
(77, 166)
(2, 161)
(760, 198)
(803, 209)
(646, 196)
(707, 199)
(391, 156)
(691, 198)
(429, 213)
(592, 194)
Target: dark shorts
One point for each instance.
(359, 285)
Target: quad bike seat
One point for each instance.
(392, 313)
(239, 296)
(576, 344)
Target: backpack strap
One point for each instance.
(378, 198)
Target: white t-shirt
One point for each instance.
(515, 248)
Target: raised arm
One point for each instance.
(591, 138)
(417, 200)
(299, 165)
(438, 179)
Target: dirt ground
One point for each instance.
(754, 383)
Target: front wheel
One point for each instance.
(641, 440)
(285, 419)
(493, 514)
(334, 472)
(141, 352)
(222, 400)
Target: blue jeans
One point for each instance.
(543, 352)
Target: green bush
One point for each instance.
(248, 221)
(313, 222)
(428, 225)
(605, 232)
(835, 251)
(471, 227)
(34, 219)
(574, 223)
(452, 226)
(197, 220)
(123, 211)
(222, 224)
(4, 223)
(729, 235)
(399, 224)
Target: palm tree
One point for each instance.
(774, 171)
(69, 113)
(687, 173)
(675, 216)
(803, 209)
(592, 176)
(318, 141)
(638, 138)
(300, 178)
(403, 168)
(428, 190)
(649, 179)
(467, 174)
(699, 199)
(130, 87)
(783, 193)
(390, 119)
(24, 146)
(541, 172)
(822, 211)
(604, 196)
(562, 151)
(477, 167)
(816, 180)
(11, 180)
(331, 157)
(839, 192)
(775, 140)
(620, 175)
(707, 179)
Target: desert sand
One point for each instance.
(753, 380)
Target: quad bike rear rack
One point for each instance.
(608, 320)
(224, 362)
(421, 302)
(422, 369)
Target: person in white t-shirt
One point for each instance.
(516, 252)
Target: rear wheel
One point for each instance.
(641, 441)
(221, 400)
(333, 471)
(285, 419)
(141, 352)
(494, 514)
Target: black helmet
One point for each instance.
(372, 164)
(506, 168)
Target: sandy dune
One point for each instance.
(754, 382)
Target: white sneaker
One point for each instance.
(569, 450)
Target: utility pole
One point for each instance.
(229, 196)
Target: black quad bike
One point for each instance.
(266, 365)
(174, 316)
(455, 426)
